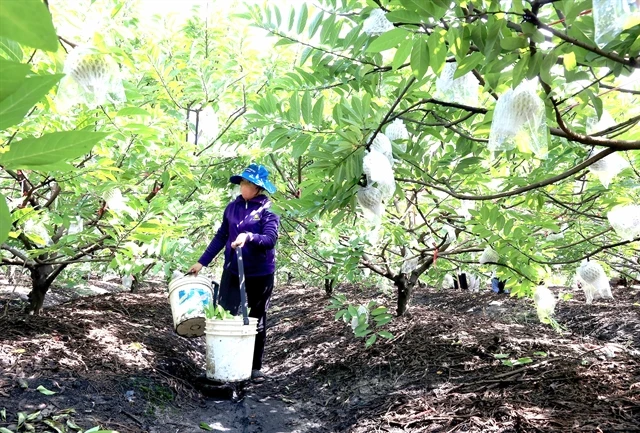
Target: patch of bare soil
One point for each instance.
(459, 362)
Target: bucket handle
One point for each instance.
(243, 292)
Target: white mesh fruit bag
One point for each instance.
(473, 282)
(377, 23)
(463, 90)
(609, 17)
(397, 132)
(410, 263)
(545, 303)
(608, 167)
(463, 210)
(489, 255)
(519, 120)
(379, 173)
(382, 144)
(625, 220)
(91, 77)
(363, 316)
(207, 125)
(594, 281)
(447, 282)
(370, 200)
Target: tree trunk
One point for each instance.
(328, 286)
(405, 287)
(40, 283)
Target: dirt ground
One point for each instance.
(113, 361)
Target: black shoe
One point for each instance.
(257, 376)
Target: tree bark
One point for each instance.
(328, 286)
(42, 276)
(39, 287)
(405, 287)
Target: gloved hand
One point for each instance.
(240, 240)
(195, 269)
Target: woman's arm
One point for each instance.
(217, 243)
(269, 236)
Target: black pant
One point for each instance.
(259, 291)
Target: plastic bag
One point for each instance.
(545, 303)
(377, 23)
(463, 90)
(608, 167)
(609, 17)
(370, 200)
(519, 120)
(489, 255)
(594, 281)
(625, 220)
(92, 78)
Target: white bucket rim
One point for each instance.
(188, 279)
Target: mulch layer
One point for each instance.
(458, 362)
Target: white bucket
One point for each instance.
(188, 296)
(230, 348)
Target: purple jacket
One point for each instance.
(258, 253)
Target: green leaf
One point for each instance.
(385, 334)
(388, 40)
(29, 23)
(49, 149)
(419, 58)
(318, 111)
(548, 62)
(371, 340)
(205, 426)
(569, 60)
(17, 105)
(437, 51)
(315, 24)
(133, 111)
(12, 74)
(5, 430)
(468, 63)
(378, 311)
(300, 145)
(45, 391)
(11, 49)
(5, 219)
(302, 18)
(306, 108)
(467, 162)
(511, 44)
(403, 51)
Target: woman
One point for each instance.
(247, 223)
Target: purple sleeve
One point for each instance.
(217, 243)
(269, 236)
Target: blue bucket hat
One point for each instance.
(256, 174)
